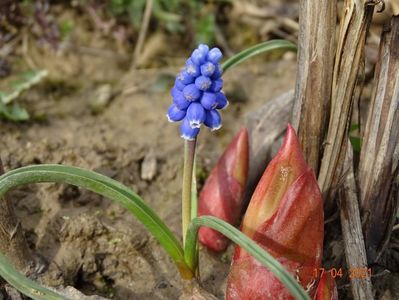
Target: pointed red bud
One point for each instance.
(327, 288)
(223, 192)
(285, 217)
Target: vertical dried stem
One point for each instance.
(143, 31)
(350, 48)
(12, 240)
(355, 251)
(377, 157)
(316, 51)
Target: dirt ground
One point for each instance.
(92, 113)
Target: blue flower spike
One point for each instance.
(197, 94)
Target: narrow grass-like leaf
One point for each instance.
(27, 80)
(107, 187)
(244, 242)
(13, 113)
(256, 50)
(25, 285)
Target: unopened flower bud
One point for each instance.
(185, 77)
(191, 92)
(221, 100)
(213, 119)
(175, 114)
(216, 85)
(203, 83)
(215, 55)
(208, 100)
(179, 100)
(207, 69)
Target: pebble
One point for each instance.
(101, 98)
(149, 166)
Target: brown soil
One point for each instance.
(90, 242)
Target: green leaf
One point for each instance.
(136, 10)
(244, 242)
(26, 80)
(268, 46)
(354, 127)
(356, 143)
(106, 187)
(66, 28)
(14, 113)
(205, 29)
(25, 285)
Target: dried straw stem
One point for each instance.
(377, 159)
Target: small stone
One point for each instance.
(149, 166)
(101, 98)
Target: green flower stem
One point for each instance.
(194, 194)
(244, 242)
(189, 155)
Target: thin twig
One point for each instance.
(143, 32)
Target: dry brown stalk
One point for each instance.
(350, 51)
(143, 32)
(12, 240)
(376, 174)
(355, 251)
(316, 51)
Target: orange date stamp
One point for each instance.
(352, 273)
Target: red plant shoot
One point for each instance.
(223, 192)
(285, 217)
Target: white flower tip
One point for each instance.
(169, 119)
(216, 128)
(227, 104)
(188, 138)
(195, 124)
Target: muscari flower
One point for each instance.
(197, 94)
